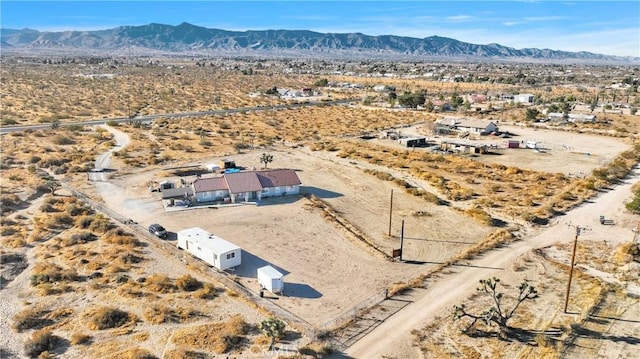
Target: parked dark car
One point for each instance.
(158, 230)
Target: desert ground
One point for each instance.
(96, 285)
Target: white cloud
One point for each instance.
(458, 18)
(511, 23)
(545, 18)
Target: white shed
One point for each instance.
(270, 279)
(210, 248)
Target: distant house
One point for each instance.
(473, 126)
(570, 117)
(523, 98)
(413, 141)
(247, 186)
(477, 98)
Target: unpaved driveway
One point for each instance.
(395, 333)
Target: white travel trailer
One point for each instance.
(270, 279)
(210, 248)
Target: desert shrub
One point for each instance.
(59, 220)
(184, 354)
(40, 342)
(84, 222)
(9, 200)
(121, 237)
(634, 205)
(80, 338)
(50, 273)
(316, 349)
(136, 353)
(99, 224)
(157, 314)
(208, 291)
(188, 283)
(107, 318)
(159, 283)
(62, 140)
(221, 337)
(78, 238)
(74, 209)
(479, 215)
(31, 318)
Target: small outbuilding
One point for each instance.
(512, 144)
(212, 167)
(210, 248)
(270, 279)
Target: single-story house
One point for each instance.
(523, 98)
(413, 141)
(474, 126)
(571, 117)
(247, 185)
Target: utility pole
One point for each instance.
(573, 258)
(401, 239)
(390, 212)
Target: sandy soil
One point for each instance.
(393, 337)
(570, 153)
(326, 257)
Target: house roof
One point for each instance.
(208, 240)
(209, 184)
(176, 192)
(270, 272)
(240, 182)
(473, 123)
(277, 178)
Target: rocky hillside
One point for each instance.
(187, 38)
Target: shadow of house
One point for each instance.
(319, 192)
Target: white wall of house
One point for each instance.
(210, 196)
(280, 191)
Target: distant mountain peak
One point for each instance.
(189, 38)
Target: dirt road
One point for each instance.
(102, 162)
(395, 333)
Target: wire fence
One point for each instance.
(309, 331)
(224, 278)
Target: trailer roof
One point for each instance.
(270, 272)
(208, 240)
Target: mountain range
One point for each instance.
(190, 39)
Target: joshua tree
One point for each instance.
(266, 158)
(52, 185)
(498, 314)
(272, 328)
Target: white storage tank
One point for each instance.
(270, 279)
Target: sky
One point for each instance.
(604, 27)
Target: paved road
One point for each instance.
(7, 129)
